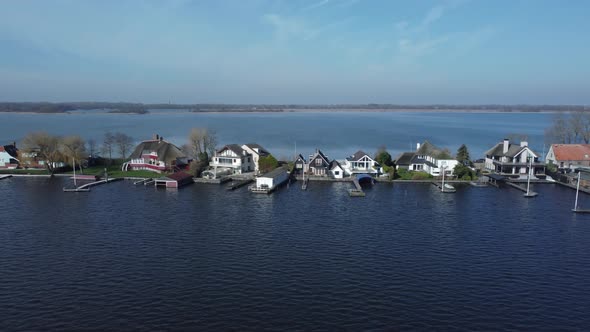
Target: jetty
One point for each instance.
(523, 189)
(357, 191)
(2, 177)
(142, 181)
(86, 187)
(238, 184)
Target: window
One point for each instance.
(318, 162)
(336, 172)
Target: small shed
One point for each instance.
(269, 181)
(175, 180)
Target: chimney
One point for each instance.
(506, 145)
(417, 146)
(524, 143)
(161, 138)
(156, 137)
(14, 144)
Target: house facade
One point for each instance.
(256, 151)
(232, 159)
(271, 180)
(512, 159)
(9, 157)
(156, 155)
(427, 158)
(569, 155)
(361, 163)
(299, 165)
(318, 164)
(336, 170)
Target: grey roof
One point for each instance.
(235, 148)
(166, 151)
(357, 155)
(300, 157)
(405, 158)
(275, 172)
(333, 164)
(513, 150)
(11, 150)
(261, 150)
(416, 160)
(321, 154)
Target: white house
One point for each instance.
(569, 155)
(232, 158)
(336, 170)
(512, 159)
(361, 163)
(427, 158)
(8, 156)
(270, 181)
(256, 151)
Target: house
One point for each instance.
(9, 156)
(232, 159)
(336, 170)
(318, 164)
(155, 155)
(512, 159)
(299, 165)
(256, 151)
(361, 163)
(427, 158)
(270, 181)
(569, 155)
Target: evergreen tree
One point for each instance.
(463, 155)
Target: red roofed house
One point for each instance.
(569, 155)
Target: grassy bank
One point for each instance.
(114, 171)
(25, 171)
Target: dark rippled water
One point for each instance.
(405, 257)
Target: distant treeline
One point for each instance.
(44, 107)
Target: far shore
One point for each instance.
(315, 110)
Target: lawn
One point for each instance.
(25, 171)
(114, 171)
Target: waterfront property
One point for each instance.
(361, 163)
(270, 181)
(569, 155)
(336, 169)
(232, 159)
(513, 159)
(256, 151)
(427, 158)
(155, 155)
(9, 156)
(318, 165)
(299, 165)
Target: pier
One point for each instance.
(86, 187)
(515, 186)
(357, 191)
(2, 177)
(238, 184)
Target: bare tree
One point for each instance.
(45, 147)
(92, 147)
(202, 141)
(560, 131)
(74, 147)
(124, 144)
(108, 145)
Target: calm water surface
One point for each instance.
(404, 257)
(338, 134)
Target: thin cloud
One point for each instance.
(316, 5)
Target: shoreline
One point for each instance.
(318, 110)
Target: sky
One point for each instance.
(296, 51)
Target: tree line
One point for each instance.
(569, 128)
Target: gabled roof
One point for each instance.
(10, 149)
(277, 171)
(429, 149)
(166, 151)
(357, 156)
(513, 150)
(417, 160)
(300, 157)
(235, 148)
(571, 151)
(333, 164)
(405, 158)
(261, 151)
(317, 153)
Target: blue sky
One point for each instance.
(296, 51)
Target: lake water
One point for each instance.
(406, 257)
(338, 134)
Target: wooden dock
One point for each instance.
(581, 210)
(2, 177)
(142, 181)
(358, 190)
(238, 184)
(523, 189)
(86, 187)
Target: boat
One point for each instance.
(447, 188)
